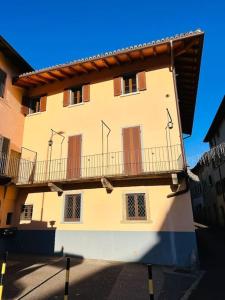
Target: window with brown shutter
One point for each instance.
(66, 97)
(136, 206)
(43, 102)
(25, 106)
(72, 209)
(141, 81)
(132, 155)
(86, 92)
(129, 83)
(74, 157)
(117, 86)
(34, 105)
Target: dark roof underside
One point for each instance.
(13, 56)
(216, 121)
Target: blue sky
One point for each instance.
(49, 32)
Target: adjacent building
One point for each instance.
(11, 127)
(211, 172)
(102, 172)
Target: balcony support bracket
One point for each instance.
(55, 188)
(107, 185)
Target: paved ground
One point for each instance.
(30, 277)
(38, 277)
(211, 244)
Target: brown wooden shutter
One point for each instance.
(43, 102)
(66, 97)
(74, 157)
(86, 92)
(132, 150)
(117, 86)
(25, 106)
(141, 81)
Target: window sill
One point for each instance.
(136, 221)
(130, 94)
(34, 114)
(73, 105)
(78, 222)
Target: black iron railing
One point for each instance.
(146, 161)
(9, 165)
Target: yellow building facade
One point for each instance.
(102, 174)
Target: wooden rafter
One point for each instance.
(94, 66)
(46, 80)
(83, 68)
(117, 60)
(57, 77)
(64, 73)
(105, 62)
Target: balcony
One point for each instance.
(9, 167)
(145, 162)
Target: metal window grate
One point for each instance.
(26, 212)
(136, 206)
(72, 208)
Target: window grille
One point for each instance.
(26, 212)
(72, 209)
(136, 206)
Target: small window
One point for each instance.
(34, 105)
(210, 180)
(219, 188)
(72, 210)
(2, 83)
(9, 218)
(26, 212)
(76, 96)
(136, 207)
(129, 83)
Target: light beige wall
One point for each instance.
(102, 211)
(147, 109)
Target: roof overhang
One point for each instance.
(186, 49)
(14, 56)
(219, 117)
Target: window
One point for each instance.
(2, 83)
(136, 207)
(76, 96)
(218, 188)
(210, 180)
(9, 218)
(129, 83)
(35, 105)
(26, 212)
(72, 210)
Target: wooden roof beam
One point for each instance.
(83, 68)
(74, 70)
(64, 73)
(57, 77)
(105, 62)
(95, 66)
(117, 60)
(46, 80)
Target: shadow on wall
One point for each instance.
(166, 246)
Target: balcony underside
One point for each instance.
(148, 179)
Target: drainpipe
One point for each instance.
(172, 69)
